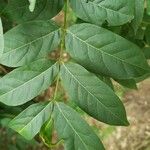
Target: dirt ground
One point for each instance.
(137, 135)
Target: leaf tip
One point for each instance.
(127, 123)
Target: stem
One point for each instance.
(56, 144)
(3, 69)
(62, 47)
(53, 145)
(56, 88)
(63, 30)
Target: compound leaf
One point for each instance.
(29, 122)
(92, 95)
(74, 130)
(105, 52)
(25, 83)
(29, 41)
(115, 12)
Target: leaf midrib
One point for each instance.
(99, 50)
(71, 126)
(93, 95)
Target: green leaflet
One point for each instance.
(44, 10)
(138, 14)
(92, 95)
(25, 83)
(29, 41)
(115, 12)
(1, 38)
(105, 52)
(74, 130)
(29, 122)
(32, 5)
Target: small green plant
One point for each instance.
(107, 42)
